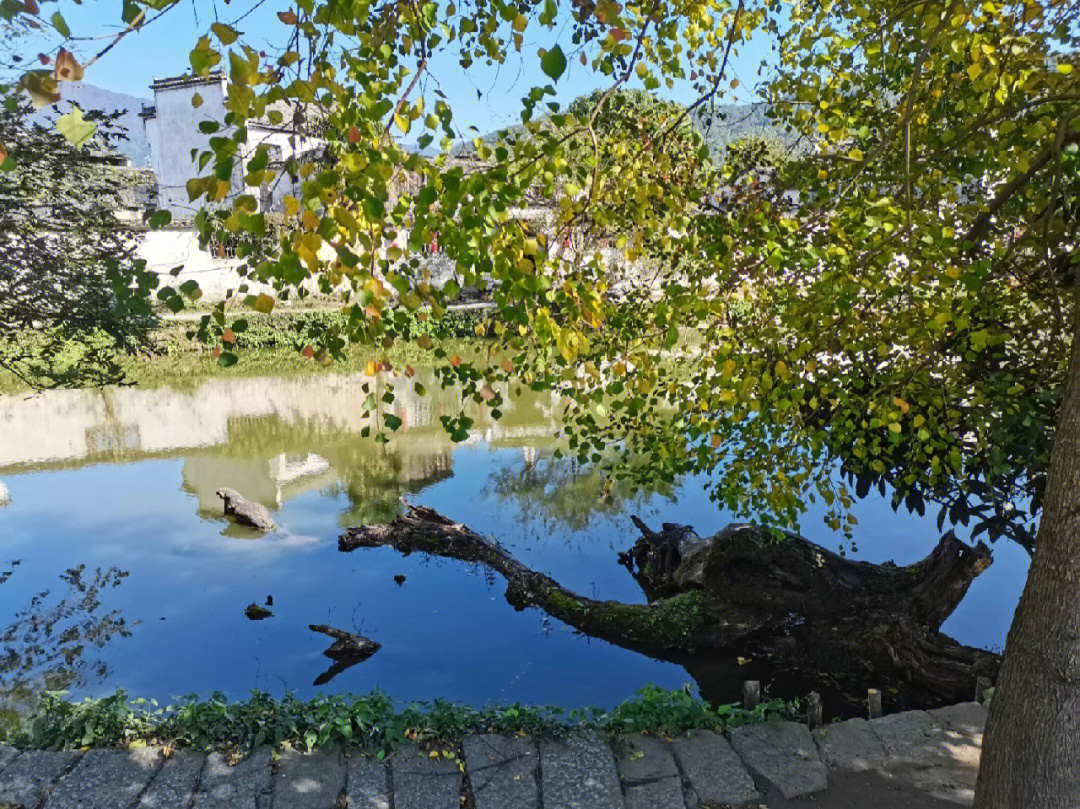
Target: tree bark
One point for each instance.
(1031, 751)
(836, 624)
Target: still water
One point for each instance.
(122, 482)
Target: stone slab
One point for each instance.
(850, 745)
(27, 780)
(715, 773)
(783, 754)
(174, 785)
(313, 780)
(7, 755)
(502, 771)
(367, 783)
(422, 781)
(911, 738)
(968, 719)
(106, 779)
(649, 775)
(578, 772)
(243, 786)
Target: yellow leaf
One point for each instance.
(66, 67)
(974, 71)
(196, 100)
(904, 406)
(264, 303)
(1064, 67)
(520, 22)
(310, 220)
(292, 205)
(370, 369)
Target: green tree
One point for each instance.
(72, 294)
(910, 276)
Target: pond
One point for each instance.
(118, 568)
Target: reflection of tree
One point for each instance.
(48, 644)
(562, 492)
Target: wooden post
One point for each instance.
(982, 685)
(813, 710)
(873, 702)
(751, 694)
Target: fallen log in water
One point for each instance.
(743, 591)
(346, 651)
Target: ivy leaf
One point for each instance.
(553, 63)
(74, 128)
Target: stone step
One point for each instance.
(105, 779)
(313, 780)
(27, 780)
(423, 781)
(578, 772)
(502, 771)
(649, 775)
(716, 774)
(246, 785)
(851, 746)
(367, 783)
(783, 754)
(174, 785)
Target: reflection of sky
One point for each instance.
(447, 632)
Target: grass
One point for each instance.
(372, 723)
(270, 345)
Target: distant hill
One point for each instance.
(727, 123)
(719, 126)
(88, 97)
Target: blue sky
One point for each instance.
(484, 97)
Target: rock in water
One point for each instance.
(245, 511)
(257, 613)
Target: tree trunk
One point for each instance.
(1031, 750)
(832, 623)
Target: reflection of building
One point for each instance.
(270, 439)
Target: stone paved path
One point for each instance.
(935, 753)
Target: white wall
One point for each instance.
(174, 131)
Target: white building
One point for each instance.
(173, 131)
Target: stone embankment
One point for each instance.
(929, 756)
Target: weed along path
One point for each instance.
(922, 759)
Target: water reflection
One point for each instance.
(53, 642)
(270, 439)
(127, 477)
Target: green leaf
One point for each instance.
(159, 219)
(74, 128)
(60, 24)
(226, 34)
(227, 359)
(553, 63)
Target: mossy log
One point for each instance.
(840, 623)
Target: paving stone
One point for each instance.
(578, 772)
(106, 779)
(782, 753)
(423, 782)
(27, 780)
(174, 785)
(967, 718)
(7, 755)
(650, 778)
(244, 786)
(715, 773)
(309, 780)
(850, 745)
(502, 771)
(911, 738)
(367, 783)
